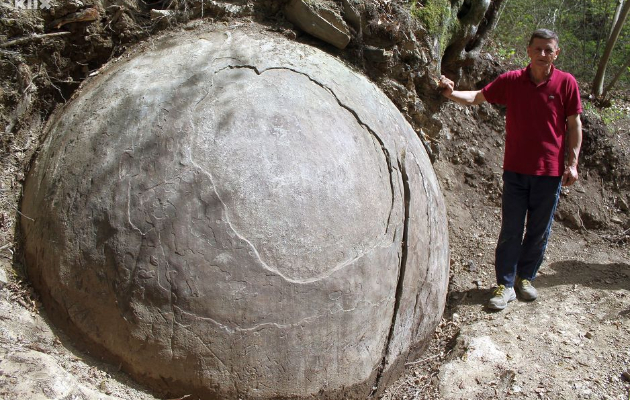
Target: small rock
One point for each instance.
(472, 266)
(376, 54)
(478, 155)
(157, 14)
(3, 277)
(319, 22)
(626, 375)
(588, 335)
(351, 14)
(290, 34)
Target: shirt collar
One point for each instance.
(526, 73)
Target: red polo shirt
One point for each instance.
(536, 120)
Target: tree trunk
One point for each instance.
(476, 21)
(615, 18)
(487, 25)
(616, 78)
(598, 82)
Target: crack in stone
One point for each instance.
(407, 196)
(386, 154)
(339, 266)
(170, 291)
(401, 275)
(430, 226)
(236, 329)
(251, 67)
(359, 121)
(204, 345)
(129, 212)
(239, 235)
(404, 244)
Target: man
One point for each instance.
(542, 122)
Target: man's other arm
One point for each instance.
(465, 97)
(574, 143)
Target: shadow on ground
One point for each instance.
(613, 276)
(468, 297)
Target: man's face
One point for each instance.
(543, 52)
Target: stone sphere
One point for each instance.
(234, 215)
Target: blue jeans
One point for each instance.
(524, 196)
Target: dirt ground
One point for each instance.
(570, 343)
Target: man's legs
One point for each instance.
(514, 201)
(523, 195)
(543, 200)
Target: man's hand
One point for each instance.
(570, 176)
(465, 97)
(446, 84)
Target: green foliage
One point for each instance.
(610, 114)
(512, 54)
(583, 27)
(613, 114)
(436, 16)
(432, 13)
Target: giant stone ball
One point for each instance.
(234, 215)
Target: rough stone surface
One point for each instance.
(4, 279)
(320, 22)
(47, 380)
(234, 215)
(480, 367)
(39, 364)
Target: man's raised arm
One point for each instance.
(465, 97)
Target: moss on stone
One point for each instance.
(437, 17)
(432, 13)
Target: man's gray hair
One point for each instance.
(544, 34)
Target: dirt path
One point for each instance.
(570, 343)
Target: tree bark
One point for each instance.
(476, 22)
(598, 82)
(615, 18)
(616, 78)
(487, 25)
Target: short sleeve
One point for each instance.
(496, 91)
(573, 103)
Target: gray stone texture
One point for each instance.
(315, 18)
(235, 215)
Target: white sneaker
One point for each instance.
(501, 297)
(526, 290)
